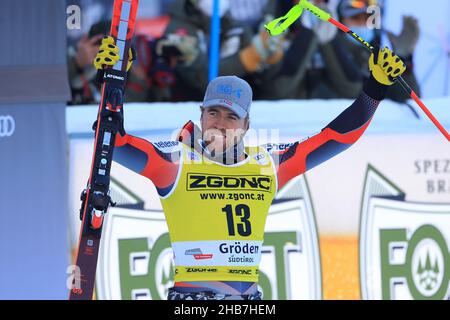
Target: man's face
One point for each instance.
(222, 128)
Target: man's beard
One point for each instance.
(229, 151)
(195, 138)
(232, 155)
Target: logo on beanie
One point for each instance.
(228, 90)
(227, 102)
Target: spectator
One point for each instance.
(339, 66)
(354, 14)
(331, 73)
(281, 80)
(157, 59)
(91, 12)
(241, 54)
(82, 73)
(149, 80)
(405, 44)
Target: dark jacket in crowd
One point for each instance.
(345, 66)
(188, 20)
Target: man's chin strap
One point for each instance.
(191, 136)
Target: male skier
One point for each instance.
(216, 192)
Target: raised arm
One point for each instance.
(347, 128)
(158, 161)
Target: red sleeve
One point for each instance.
(304, 156)
(146, 159)
(336, 137)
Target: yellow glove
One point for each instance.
(108, 54)
(385, 66)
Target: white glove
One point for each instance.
(267, 46)
(324, 31)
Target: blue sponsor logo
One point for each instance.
(228, 90)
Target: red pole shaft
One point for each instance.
(430, 115)
(413, 95)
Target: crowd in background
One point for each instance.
(311, 61)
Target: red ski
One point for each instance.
(95, 198)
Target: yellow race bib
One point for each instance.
(216, 216)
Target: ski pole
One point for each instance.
(278, 26)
